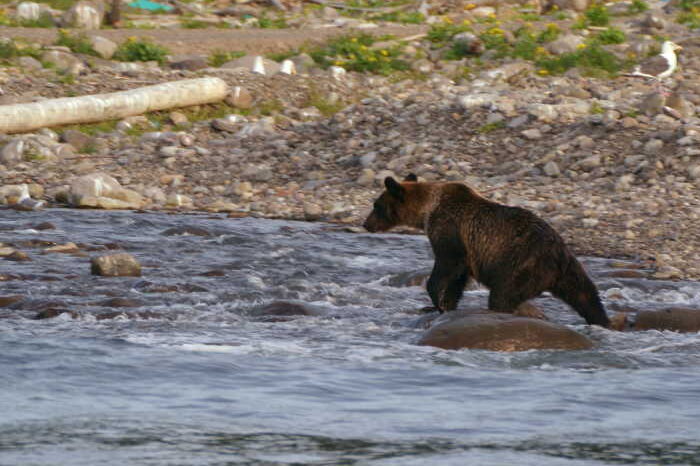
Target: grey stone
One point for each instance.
(189, 63)
(239, 97)
(84, 15)
(551, 168)
(64, 62)
(12, 152)
(103, 46)
(30, 63)
(565, 44)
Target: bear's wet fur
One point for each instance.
(516, 254)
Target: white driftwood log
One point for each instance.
(19, 118)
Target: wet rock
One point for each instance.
(500, 332)
(412, 278)
(116, 265)
(68, 248)
(229, 124)
(186, 230)
(282, 310)
(17, 256)
(83, 15)
(6, 301)
(675, 319)
(55, 312)
(118, 302)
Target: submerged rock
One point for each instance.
(676, 319)
(500, 332)
(116, 265)
(282, 310)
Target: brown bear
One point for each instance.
(516, 254)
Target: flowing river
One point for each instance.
(193, 374)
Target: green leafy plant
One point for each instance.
(8, 49)
(443, 32)
(78, 43)
(219, 57)
(592, 59)
(403, 17)
(187, 23)
(637, 6)
(690, 19)
(597, 15)
(495, 39)
(611, 35)
(264, 22)
(135, 49)
(355, 53)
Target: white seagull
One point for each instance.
(661, 66)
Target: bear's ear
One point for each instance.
(394, 187)
(411, 177)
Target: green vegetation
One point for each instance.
(78, 43)
(272, 23)
(690, 16)
(690, 19)
(140, 50)
(592, 58)
(595, 15)
(45, 20)
(355, 53)
(326, 107)
(637, 6)
(269, 107)
(93, 129)
(13, 48)
(440, 34)
(611, 35)
(281, 56)
(8, 49)
(219, 57)
(403, 17)
(187, 23)
(488, 127)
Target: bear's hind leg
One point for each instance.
(507, 298)
(446, 284)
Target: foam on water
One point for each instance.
(199, 378)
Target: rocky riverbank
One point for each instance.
(613, 164)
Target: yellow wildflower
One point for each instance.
(540, 50)
(470, 6)
(354, 39)
(542, 72)
(466, 22)
(581, 46)
(384, 52)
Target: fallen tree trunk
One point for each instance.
(19, 118)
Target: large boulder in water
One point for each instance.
(676, 319)
(116, 265)
(500, 332)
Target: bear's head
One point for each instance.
(393, 207)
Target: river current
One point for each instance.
(192, 375)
